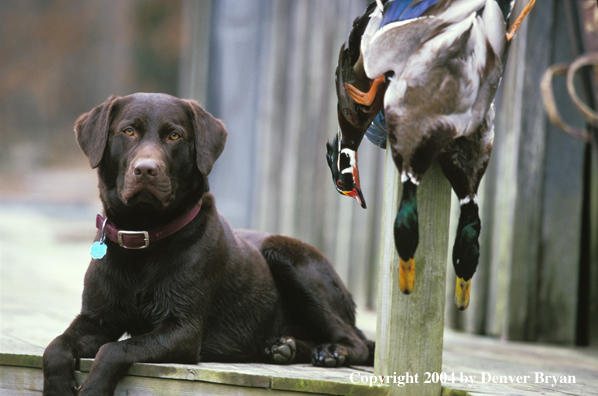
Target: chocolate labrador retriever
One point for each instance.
(171, 274)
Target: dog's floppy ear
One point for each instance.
(210, 137)
(92, 131)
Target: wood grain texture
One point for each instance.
(20, 372)
(410, 327)
(532, 192)
(530, 156)
(196, 27)
(29, 381)
(296, 113)
(593, 254)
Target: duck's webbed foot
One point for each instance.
(406, 235)
(365, 98)
(462, 292)
(466, 251)
(406, 275)
(520, 19)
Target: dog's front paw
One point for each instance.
(329, 355)
(283, 351)
(67, 389)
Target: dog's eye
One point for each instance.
(174, 136)
(129, 131)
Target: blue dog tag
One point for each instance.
(98, 250)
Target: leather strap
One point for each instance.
(142, 239)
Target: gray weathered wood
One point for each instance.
(467, 354)
(587, 11)
(515, 183)
(29, 381)
(562, 199)
(593, 254)
(410, 327)
(20, 373)
(521, 310)
(534, 185)
(195, 49)
(234, 86)
(531, 154)
(296, 115)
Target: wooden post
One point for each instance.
(410, 327)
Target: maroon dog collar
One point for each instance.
(142, 239)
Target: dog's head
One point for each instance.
(153, 151)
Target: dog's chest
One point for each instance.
(137, 297)
(149, 307)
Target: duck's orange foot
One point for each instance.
(365, 98)
(406, 275)
(520, 19)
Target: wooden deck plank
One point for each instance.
(473, 355)
(464, 355)
(296, 377)
(29, 381)
(23, 371)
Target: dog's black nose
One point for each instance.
(146, 167)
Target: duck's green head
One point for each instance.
(466, 252)
(406, 235)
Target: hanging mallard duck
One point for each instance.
(423, 74)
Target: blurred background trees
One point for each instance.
(61, 58)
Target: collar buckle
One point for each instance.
(145, 235)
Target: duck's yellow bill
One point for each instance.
(462, 289)
(406, 275)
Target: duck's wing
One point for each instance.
(392, 46)
(400, 10)
(377, 132)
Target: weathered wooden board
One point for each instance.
(29, 381)
(20, 371)
(195, 57)
(478, 355)
(559, 254)
(530, 61)
(464, 355)
(410, 327)
(593, 255)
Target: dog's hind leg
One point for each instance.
(315, 302)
